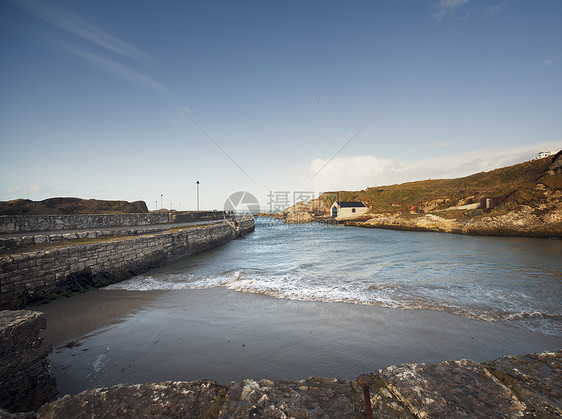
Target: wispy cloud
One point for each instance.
(99, 48)
(497, 8)
(360, 172)
(440, 144)
(444, 7)
(82, 29)
(83, 40)
(25, 190)
(109, 65)
(548, 62)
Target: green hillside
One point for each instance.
(517, 182)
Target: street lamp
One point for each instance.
(156, 204)
(197, 183)
(161, 201)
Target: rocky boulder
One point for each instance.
(26, 382)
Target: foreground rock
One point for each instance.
(170, 399)
(513, 386)
(25, 379)
(310, 398)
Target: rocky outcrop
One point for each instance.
(513, 386)
(55, 206)
(298, 217)
(171, 399)
(303, 212)
(528, 221)
(556, 165)
(534, 210)
(315, 207)
(313, 397)
(424, 222)
(26, 382)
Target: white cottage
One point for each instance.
(348, 209)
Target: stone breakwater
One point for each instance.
(26, 382)
(38, 275)
(25, 240)
(27, 223)
(512, 386)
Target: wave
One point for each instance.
(308, 287)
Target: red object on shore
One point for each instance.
(365, 381)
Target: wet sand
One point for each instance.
(106, 337)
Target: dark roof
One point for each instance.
(349, 204)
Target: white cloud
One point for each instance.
(445, 7)
(360, 172)
(23, 190)
(451, 4)
(439, 15)
(497, 8)
(440, 144)
(349, 172)
(547, 62)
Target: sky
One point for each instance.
(139, 100)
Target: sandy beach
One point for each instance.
(106, 337)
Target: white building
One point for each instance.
(348, 209)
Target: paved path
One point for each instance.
(149, 228)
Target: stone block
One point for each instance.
(25, 380)
(451, 389)
(40, 239)
(532, 377)
(314, 397)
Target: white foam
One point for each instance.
(303, 285)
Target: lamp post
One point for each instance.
(156, 204)
(197, 183)
(161, 201)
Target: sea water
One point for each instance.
(293, 301)
(515, 280)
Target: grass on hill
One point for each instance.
(518, 182)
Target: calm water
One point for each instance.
(517, 280)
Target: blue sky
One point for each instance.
(134, 99)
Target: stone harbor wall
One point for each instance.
(13, 244)
(514, 386)
(37, 275)
(26, 382)
(245, 226)
(28, 223)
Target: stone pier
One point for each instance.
(39, 274)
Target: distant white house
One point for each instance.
(348, 209)
(544, 154)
